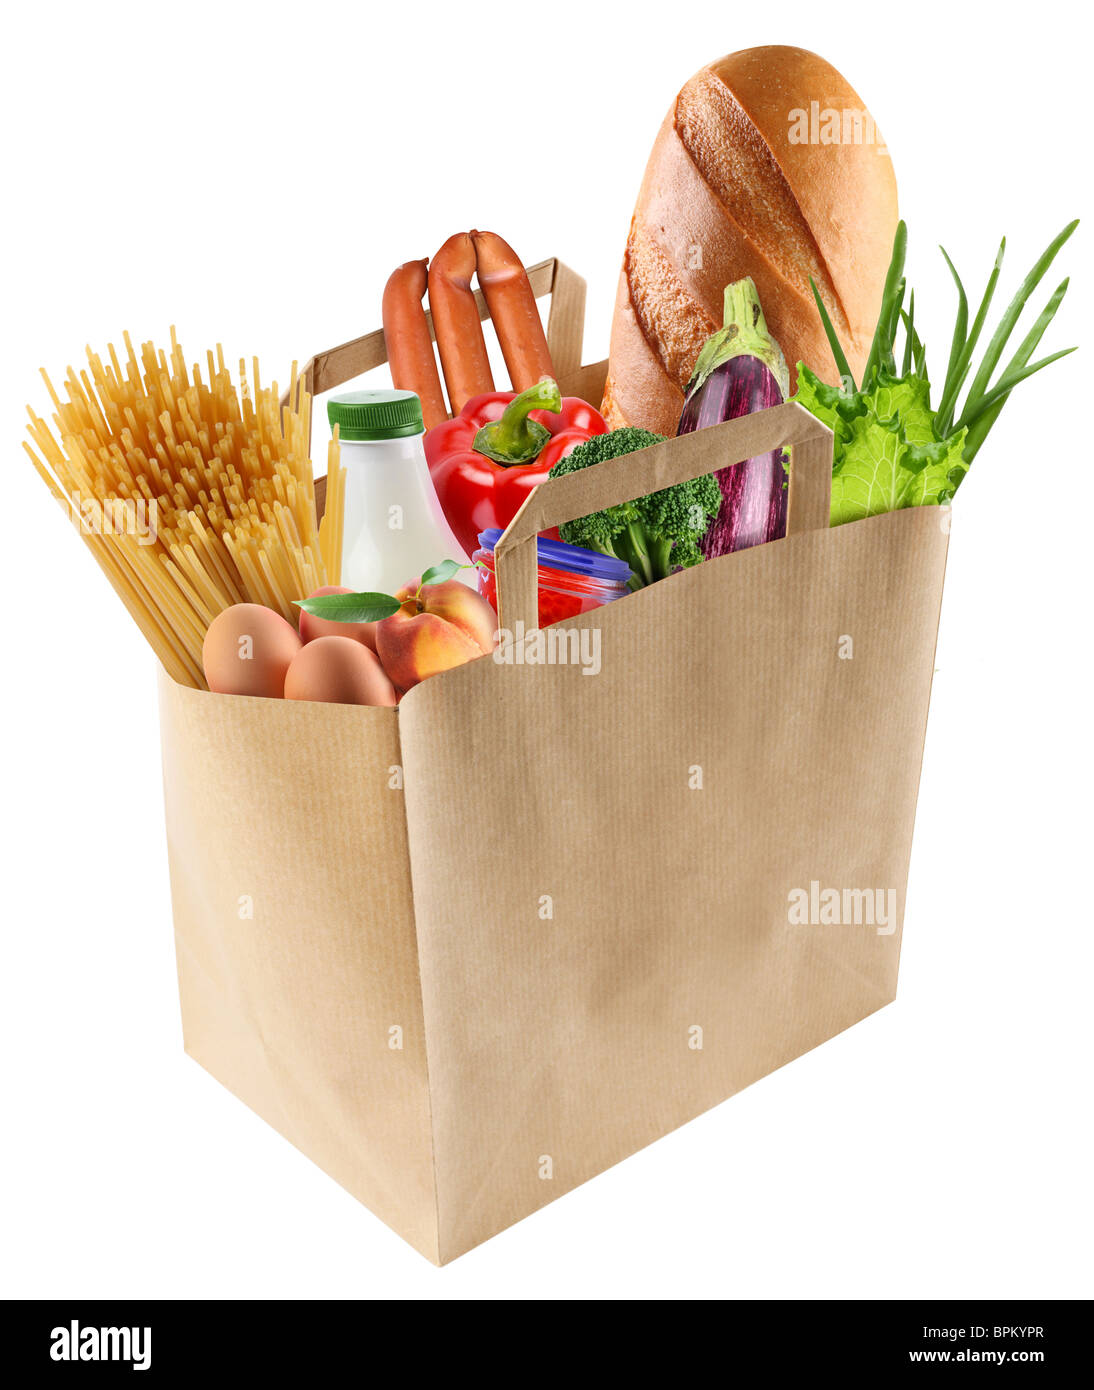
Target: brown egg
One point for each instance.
(312, 627)
(247, 651)
(340, 671)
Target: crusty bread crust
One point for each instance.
(727, 193)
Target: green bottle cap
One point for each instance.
(376, 414)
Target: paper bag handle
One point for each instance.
(675, 461)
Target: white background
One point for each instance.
(251, 173)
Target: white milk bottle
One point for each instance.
(393, 527)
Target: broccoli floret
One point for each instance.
(680, 515)
(599, 447)
(654, 535)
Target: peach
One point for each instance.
(312, 627)
(439, 627)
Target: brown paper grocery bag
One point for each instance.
(540, 916)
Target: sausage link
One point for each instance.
(409, 347)
(512, 305)
(456, 322)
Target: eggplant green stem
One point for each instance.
(514, 438)
(743, 332)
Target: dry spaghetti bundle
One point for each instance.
(190, 494)
(330, 528)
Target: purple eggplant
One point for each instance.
(741, 369)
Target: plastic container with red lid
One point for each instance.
(572, 580)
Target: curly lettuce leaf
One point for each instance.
(909, 400)
(886, 452)
(877, 469)
(822, 400)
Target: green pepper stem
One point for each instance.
(514, 438)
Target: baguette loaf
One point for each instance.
(756, 171)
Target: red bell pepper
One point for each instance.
(486, 460)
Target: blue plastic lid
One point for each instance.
(575, 559)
